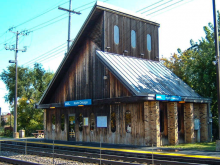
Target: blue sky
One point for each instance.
(180, 21)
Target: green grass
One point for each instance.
(210, 146)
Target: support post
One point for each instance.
(24, 33)
(16, 135)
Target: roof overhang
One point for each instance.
(121, 100)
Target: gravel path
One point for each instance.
(40, 160)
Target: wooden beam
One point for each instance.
(121, 100)
(47, 106)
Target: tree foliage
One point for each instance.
(195, 67)
(31, 85)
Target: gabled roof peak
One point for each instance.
(119, 10)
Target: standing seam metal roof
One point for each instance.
(144, 77)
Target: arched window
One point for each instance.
(80, 122)
(116, 34)
(133, 39)
(113, 122)
(148, 42)
(92, 122)
(128, 121)
(53, 122)
(62, 118)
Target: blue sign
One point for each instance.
(168, 98)
(78, 103)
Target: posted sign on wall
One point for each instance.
(78, 103)
(101, 121)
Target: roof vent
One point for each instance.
(108, 47)
(125, 52)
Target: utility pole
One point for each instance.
(69, 25)
(24, 33)
(217, 59)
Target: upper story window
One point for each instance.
(133, 39)
(116, 34)
(148, 42)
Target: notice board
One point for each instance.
(101, 121)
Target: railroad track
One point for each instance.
(93, 156)
(16, 161)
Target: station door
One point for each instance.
(71, 132)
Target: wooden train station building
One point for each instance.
(111, 87)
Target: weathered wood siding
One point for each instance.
(120, 136)
(125, 25)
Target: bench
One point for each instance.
(39, 134)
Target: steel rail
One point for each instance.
(92, 160)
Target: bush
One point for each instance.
(8, 131)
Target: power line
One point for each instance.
(7, 40)
(47, 21)
(157, 6)
(149, 6)
(43, 54)
(50, 24)
(165, 7)
(172, 8)
(51, 55)
(3, 34)
(58, 17)
(40, 14)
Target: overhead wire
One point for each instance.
(74, 9)
(42, 56)
(47, 11)
(148, 6)
(6, 40)
(33, 28)
(53, 55)
(58, 17)
(157, 6)
(173, 8)
(165, 7)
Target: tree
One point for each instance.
(195, 67)
(31, 85)
(3, 123)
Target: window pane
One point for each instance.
(116, 34)
(92, 122)
(53, 122)
(80, 122)
(133, 39)
(148, 42)
(62, 122)
(128, 121)
(113, 122)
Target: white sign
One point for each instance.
(101, 121)
(85, 121)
